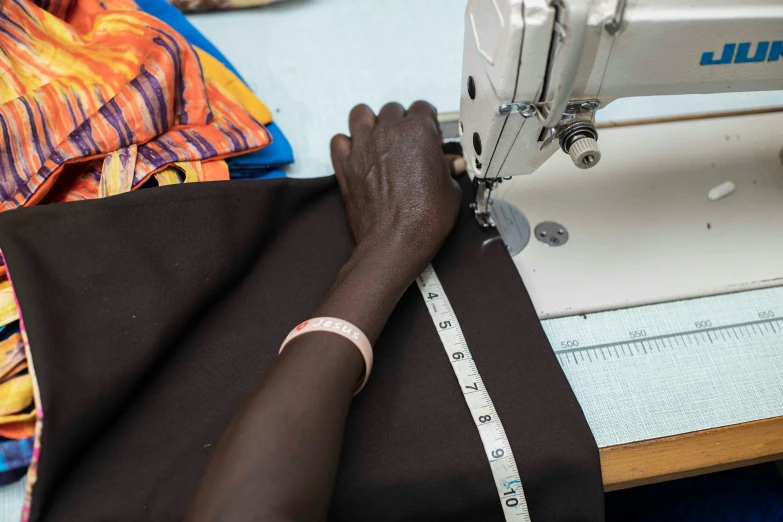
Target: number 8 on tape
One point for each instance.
(493, 436)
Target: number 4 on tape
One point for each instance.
(493, 436)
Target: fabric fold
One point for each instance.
(97, 77)
(150, 316)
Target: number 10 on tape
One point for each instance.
(493, 436)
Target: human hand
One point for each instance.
(397, 184)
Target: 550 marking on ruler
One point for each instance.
(493, 436)
(639, 343)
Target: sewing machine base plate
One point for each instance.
(641, 227)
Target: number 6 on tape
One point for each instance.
(493, 436)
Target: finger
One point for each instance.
(425, 111)
(391, 113)
(340, 148)
(456, 164)
(361, 122)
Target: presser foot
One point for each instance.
(481, 207)
(509, 221)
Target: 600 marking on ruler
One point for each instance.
(493, 436)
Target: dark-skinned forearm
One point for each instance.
(278, 459)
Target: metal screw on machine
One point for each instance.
(580, 141)
(551, 233)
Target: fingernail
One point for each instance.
(460, 165)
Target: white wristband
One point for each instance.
(339, 327)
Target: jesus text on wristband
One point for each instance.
(339, 327)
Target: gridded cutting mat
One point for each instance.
(661, 370)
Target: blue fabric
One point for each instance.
(9, 477)
(259, 174)
(277, 154)
(14, 455)
(751, 494)
(259, 164)
(8, 330)
(166, 12)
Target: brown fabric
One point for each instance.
(151, 316)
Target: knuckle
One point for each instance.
(340, 146)
(361, 114)
(392, 106)
(424, 106)
(360, 108)
(419, 129)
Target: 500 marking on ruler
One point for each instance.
(639, 343)
(493, 436)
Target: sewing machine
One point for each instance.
(641, 228)
(534, 74)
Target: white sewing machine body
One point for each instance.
(640, 226)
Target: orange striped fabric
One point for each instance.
(81, 80)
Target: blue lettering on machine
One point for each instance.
(740, 53)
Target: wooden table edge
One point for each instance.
(689, 454)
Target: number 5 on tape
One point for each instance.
(493, 436)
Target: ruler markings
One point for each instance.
(727, 370)
(693, 334)
(493, 436)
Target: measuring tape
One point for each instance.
(493, 436)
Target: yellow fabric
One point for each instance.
(18, 417)
(8, 311)
(18, 426)
(16, 393)
(117, 173)
(168, 176)
(193, 171)
(217, 72)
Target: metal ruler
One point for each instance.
(661, 370)
(493, 436)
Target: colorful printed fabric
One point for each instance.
(8, 311)
(256, 164)
(15, 454)
(18, 426)
(11, 354)
(166, 12)
(236, 88)
(16, 387)
(259, 164)
(195, 6)
(107, 78)
(16, 393)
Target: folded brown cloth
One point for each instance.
(151, 316)
(197, 6)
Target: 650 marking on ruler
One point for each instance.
(493, 436)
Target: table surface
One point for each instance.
(312, 60)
